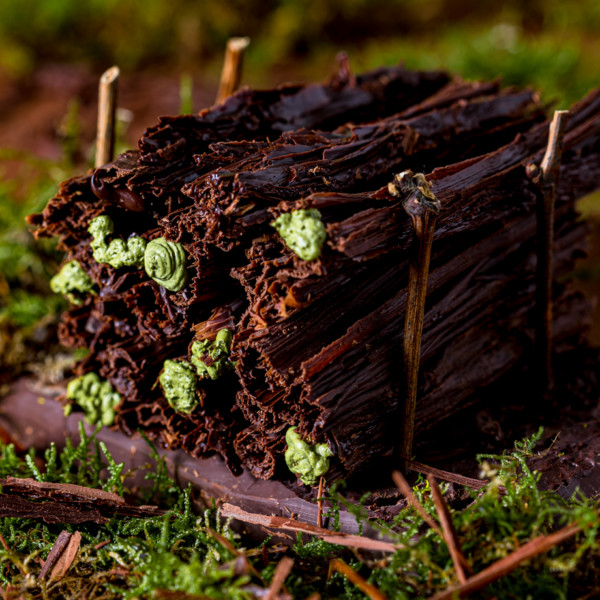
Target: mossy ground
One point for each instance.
(199, 554)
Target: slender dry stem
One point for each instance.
(407, 492)
(107, 108)
(450, 537)
(232, 67)
(364, 586)
(547, 180)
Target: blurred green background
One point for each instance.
(170, 54)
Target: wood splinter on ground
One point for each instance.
(231, 74)
(107, 109)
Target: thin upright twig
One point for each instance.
(320, 503)
(407, 492)
(364, 586)
(107, 108)
(546, 177)
(423, 208)
(231, 74)
(449, 533)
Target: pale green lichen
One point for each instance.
(96, 397)
(308, 462)
(212, 359)
(178, 382)
(164, 262)
(118, 253)
(73, 282)
(303, 232)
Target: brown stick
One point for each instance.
(469, 482)
(407, 492)
(423, 208)
(57, 549)
(232, 67)
(320, 503)
(107, 108)
(67, 557)
(364, 586)
(450, 537)
(282, 570)
(509, 563)
(547, 180)
(332, 537)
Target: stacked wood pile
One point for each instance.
(316, 340)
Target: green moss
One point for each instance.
(308, 462)
(302, 231)
(96, 396)
(178, 382)
(118, 253)
(73, 282)
(165, 263)
(212, 359)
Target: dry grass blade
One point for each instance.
(282, 570)
(57, 549)
(332, 537)
(364, 586)
(107, 107)
(232, 67)
(229, 546)
(64, 562)
(450, 536)
(509, 563)
(407, 492)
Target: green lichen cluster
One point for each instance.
(178, 381)
(308, 462)
(96, 397)
(212, 359)
(118, 253)
(73, 282)
(164, 262)
(303, 232)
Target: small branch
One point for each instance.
(450, 537)
(407, 492)
(320, 503)
(423, 208)
(282, 570)
(57, 549)
(332, 537)
(546, 177)
(107, 107)
(232, 67)
(364, 586)
(67, 557)
(470, 482)
(509, 563)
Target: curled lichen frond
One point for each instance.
(303, 232)
(73, 282)
(96, 397)
(164, 262)
(118, 253)
(308, 462)
(212, 358)
(178, 381)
